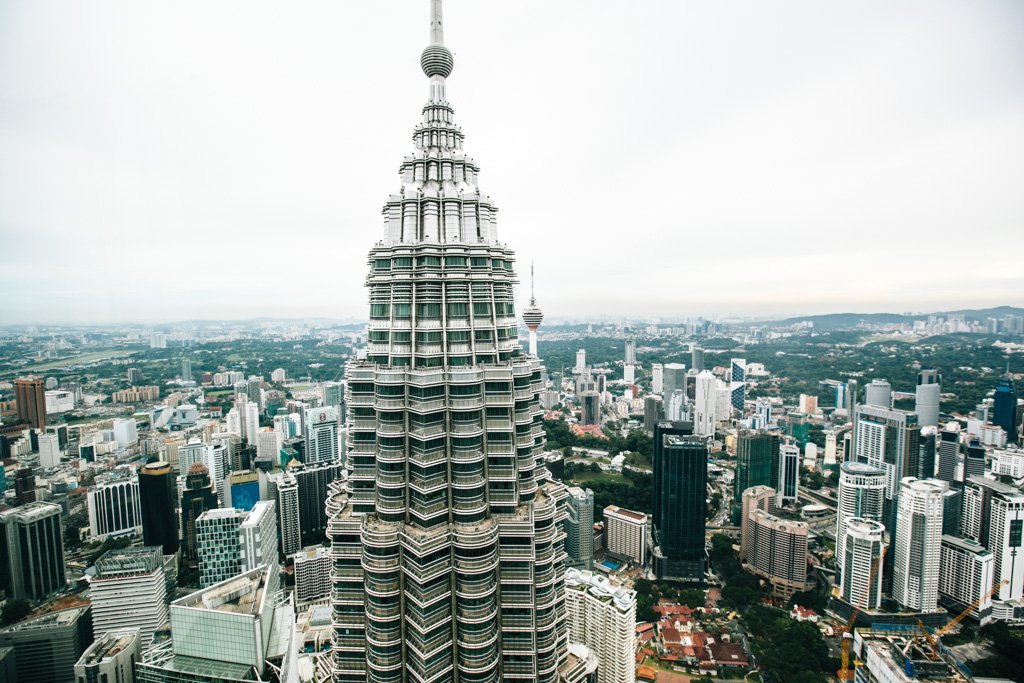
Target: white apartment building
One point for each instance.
(861, 494)
(915, 582)
(966, 575)
(602, 616)
(860, 563)
(312, 575)
(626, 533)
(257, 536)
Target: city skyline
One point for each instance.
(824, 151)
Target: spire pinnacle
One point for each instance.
(436, 23)
(532, 297)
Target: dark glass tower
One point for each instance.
(1004, 409)
(157, 494)
(197, 498)
(680, 508)
(755, 454)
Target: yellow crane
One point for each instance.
(933, 638)
(844, 631)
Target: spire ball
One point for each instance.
(437, 60)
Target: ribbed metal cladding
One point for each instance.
(447, 542)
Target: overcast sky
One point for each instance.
(178, 160)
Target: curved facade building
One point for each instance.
(861, 494)
(863, 543)
(447, 543)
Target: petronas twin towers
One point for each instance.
(446, 536)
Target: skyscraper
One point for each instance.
(30, 395)
(948, 452)
(657, 378)
(927, 448)
(776, 550)
(738, 384)
(197, 498)
(789, 474)
(579, 528)
(679, 502)
(129, 590)
(289, 526)
(674, 379)
(696, 358)
(459, 529)
(888, 439)
(114, 507)
(602, 616)
(321, 435)
(918, 544)
(755, 453)
(878, 393)
(860, 563)
(157, 496)
(926, 398)
(966, 575)
(33, 544)
(974, 459)
(1004, 408)
(861, 495)
(705, 404)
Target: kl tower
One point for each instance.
(533, 317)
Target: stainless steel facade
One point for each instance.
(447, 542)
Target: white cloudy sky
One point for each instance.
(170, 160)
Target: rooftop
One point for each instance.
(628, 514)
(242, 594)
(600, 586)
(109, 645)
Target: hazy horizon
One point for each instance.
(654, 160)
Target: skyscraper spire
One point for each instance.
(532, 316)
(447, 534)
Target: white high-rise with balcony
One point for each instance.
(447, 534)
(602, 616)
(918, 544)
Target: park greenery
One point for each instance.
(648, 593)
(786, 650)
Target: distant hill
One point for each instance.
(842, 321)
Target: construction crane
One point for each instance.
(844, 631)
(933, 638)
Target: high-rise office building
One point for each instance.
(918, 544)
(30, 399)
(46, 647)
(334, 396)
(789, 474)
(974, 459)
(114, 507)
(657, 378)
(49, 451)
(966, 575)
(289, 526)
(217, 545)
(590, 408)
(861, 495)
(579, 528)
(705, 404)
(679, 508)
(321, 435)
(625, 533)
(630, 357)
(1004, 408)
(602, 616)
(926, 398)
(268, 446)
(927, 448)
(948, 452)
(581, 360)
(696, 358)
(313, 482)
(654, 412)
(888, 439)
(186, 370)
(860, 563)
(445, 433)
(157, 497)
(129, 590)
(673, 380)
(755, 454)
(993, 515)
(197, 497)
(111, 658)
(738, 382)
(33, 542)
(878, 393)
